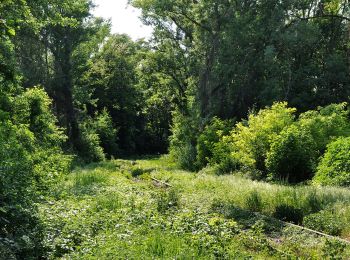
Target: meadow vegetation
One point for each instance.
(250, 99)
(101, 211)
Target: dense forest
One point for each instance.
(255, 89)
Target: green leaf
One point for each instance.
(11, 31)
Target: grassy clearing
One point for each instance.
(117, 209)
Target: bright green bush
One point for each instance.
(33, 108)
(325, 124)
(334, 167)
(98, 138)
(208, 147)
(252, 139)
(292, 156)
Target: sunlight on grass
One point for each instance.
(148, 209)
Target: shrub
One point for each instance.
(183, 141)
(104, 128)
(252, 139)
(168, 200)
(334, 167)
(325, 124)
(138, 171)
(324, 221)
(31, 160)
(208, 148)
(90, 149)
(333, 249)
(292, 156)
(33, 108)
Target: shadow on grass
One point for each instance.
(247, 219)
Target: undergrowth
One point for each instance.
(147, 209)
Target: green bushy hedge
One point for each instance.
(209, 150)
(292, 156)
(252, 139)
(31, 160)
(273, 144)
(334, 167)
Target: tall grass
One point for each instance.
(107, 213)
(266, 198)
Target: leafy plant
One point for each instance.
(183, 141)
(168, 200)
(324, 221)
(292, 156)
(333, 249)
(334, 167)
(253, 138)
(208, 150)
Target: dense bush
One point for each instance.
(334, 167)
(252, 139)
(98, 138)
(107, 133)
(325, 124)
(208, 148)
(273, 142)
(183, 141)
(292, 156)
(31, 160)
(90, 149)
(33, 108)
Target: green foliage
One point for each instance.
(110, 79)
(137, 171)
(252, 139)
(90, 149)
(183, 141)
(98, 138)
(334, 167)
(86, 179)
(168, 200)
(208, 147)
(325, 124)
(333, 249)
(33, 108)
(107, 133)
(292, 156)
(31, 162)
(272, 143)
(254, 202)
(304, 64)
(324, 221)
(121, 217)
